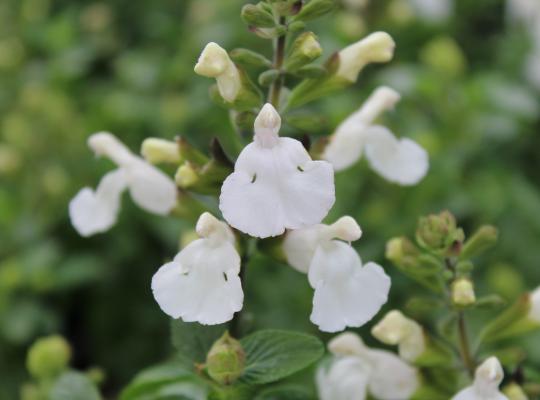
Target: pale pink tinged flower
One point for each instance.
(487, 379)
(275, 184)
(202, 283)
(96, 211)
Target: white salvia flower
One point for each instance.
(96, 211)
(357, 369)
(407, 334)
(486, 383)
(214, 62)
(401, 161)
(348, 141)
(346, 293)
(275, 184)
(378, 47)
(534, 312)
(202, 284)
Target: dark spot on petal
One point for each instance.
(254, 178)
(299, 168)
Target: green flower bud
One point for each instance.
(286, 7)
(268, 77)
(463, 292)
(483, 239)
(304, 50)
(249, 58)
(157, 151)
(48, 357)
(226, 360)
(514, 392)
(315, 9)
(311, 71)
(186, 176)
(255, 15)
(438, 232)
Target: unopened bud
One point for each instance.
(438, 232)
(186, 176)
(315, 9)
(256, 15)
(375, 48)
(249, 57)
(483, 239)
(463, 292)
(396, 329)
(402, 252)
(304, 50)
(48, 357)
(157, 151)
(514, 392)
(226, 360)
(214, 62)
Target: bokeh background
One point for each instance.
(69, 68)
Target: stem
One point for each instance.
(279, 57)
(464, 347)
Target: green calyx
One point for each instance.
(439, 233)
(226, 360)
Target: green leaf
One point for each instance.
(193, 340)
(74, 386)
(272, 355)
(288, 392)
(156, 379)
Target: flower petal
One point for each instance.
(150, 188)
(344, 379)
(278, 187)
(96, 211)
(201, 284)
(391, 378)
(400, 161)
(300, 245)
(346, 294)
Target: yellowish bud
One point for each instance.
(463, 292)
(157, 151)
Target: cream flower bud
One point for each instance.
(396, 329)
(463, 292)
(377, 47)
(214, 62)
(486, 383)
(186, 176)
(156, 151)
(534, 311)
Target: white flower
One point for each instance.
(378, 47)
(401, 161)
(486, 383)
(357, 369)
(534, 312)
(275, 184)
(96, 211)
(214, 62)
(346, 293)
(348, 141)
(396, 329)
(202, 283)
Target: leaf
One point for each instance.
(155, 379)
(74, 386)
(272, 355)
(193, 340)
(284, 393)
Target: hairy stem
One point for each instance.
(464, 347)
(279, 58)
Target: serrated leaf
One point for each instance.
(272, 355)
(73, 385)
(193, 340)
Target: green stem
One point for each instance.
(464, 347)
(279, 58)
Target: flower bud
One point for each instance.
(250, 58)
(214, 62)
(48, 357)
(255, 15)
(268, 77)
(157, 151)
(438, 232)
(402, 252)
(514, 392)
(226, 360)
(396, 329)
(483, 239)
(186, 176)
(375, 48)
(463, 292)
(304, 50)
(315, 9)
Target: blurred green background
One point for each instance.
(71, 68)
